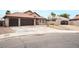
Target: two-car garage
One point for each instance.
(23, 21)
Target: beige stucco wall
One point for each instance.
(7, 22)
(51, 22)
(74, 23)
(57, 22)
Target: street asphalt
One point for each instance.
(53, 40)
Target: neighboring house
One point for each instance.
(75, 20)
(58, 20)
(23, 19)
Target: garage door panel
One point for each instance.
(23, 22)
(26, 22)
(13, 22)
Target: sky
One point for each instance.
(46, 13)
(39, 4)
(42, 7)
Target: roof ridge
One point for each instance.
(28, 11)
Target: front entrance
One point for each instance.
(64, 22)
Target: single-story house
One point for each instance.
(23, 19)
(58, 20)
(75, 20)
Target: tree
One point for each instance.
(64, 15)
(8, 12)
(53, 14)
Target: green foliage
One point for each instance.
(8, 12)
(53, 14)
(64, 15)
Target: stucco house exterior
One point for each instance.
(75, 20)
(58, 20)
(23, 19)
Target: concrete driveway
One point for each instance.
(37, 28)
(28, 30)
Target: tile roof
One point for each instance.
(27, 14)
(76, 17)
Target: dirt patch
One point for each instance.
(4, 30)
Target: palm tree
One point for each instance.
(8, 12)
(64, 15)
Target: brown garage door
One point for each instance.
(1, 23)
(13, 22)
(25, 22)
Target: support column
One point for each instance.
(41, 22)
(34, 22)
(7, 22)
(44, 21)
(19, 22)
(38, 22)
